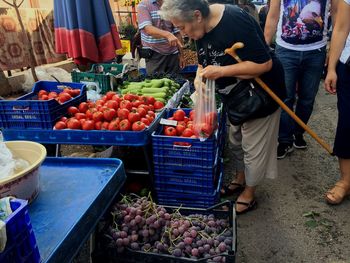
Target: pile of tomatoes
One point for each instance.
(187, 126)
(112, 112)
(66, 95)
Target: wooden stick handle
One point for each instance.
(232, 51)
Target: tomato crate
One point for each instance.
(27, 112)
(102, 76)
(93, 137)
(191, 180)
(107, 253)
(21, 245)
(174, 150)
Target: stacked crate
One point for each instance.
(187, 171)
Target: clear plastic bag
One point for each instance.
(7, 164)
(206, 115)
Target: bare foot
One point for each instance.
(337, 194)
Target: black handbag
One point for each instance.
(246, 100)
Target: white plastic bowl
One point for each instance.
(24, 184)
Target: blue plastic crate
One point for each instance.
(169, 149)
(27, 112)
(189, 69)
(200, 200)
(21, 246)
(93, 137)
(186, 179)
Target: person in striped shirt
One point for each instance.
(161, 41)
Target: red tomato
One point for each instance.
(80, 116)
(158, 105)
(110, 94)
(83, 107)
(64, 119)
(123, 113)
(113, 126)
(125, 104)
(73, 123)
(97, 116)
(136, 103)
(130, 97)
(42, 92)
(146, 107)
(179, 129)
(125, 125)
(60, 125)
(112, 104)
(68, 90)
(104, 98)
(90, 112)
(75, 92)
(187, 132)
(116, 98)
(203, 130)
(192, 113)
(151, 100)
(146, 121)
(142, 112)
(170, 131)
(88, 125)
(133, 117)
(179, 115)
(138, 126)
(63, 97)
(109, 114)
(44, 97)
(105, 125)
(99, 103)
(150, 118)
(72, 110)
(211, 118)
(52, 95)
(143, 99)
(98, 125)
(151, 113)
(151, 107)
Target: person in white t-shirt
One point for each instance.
(301, 39)
(338, 82)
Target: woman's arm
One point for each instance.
(339, 36)
(243, 70)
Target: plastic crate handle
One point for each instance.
(21, 107)
(178, 145)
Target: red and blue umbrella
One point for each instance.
(85, 30)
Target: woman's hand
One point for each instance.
(330, 82)
(212, 72)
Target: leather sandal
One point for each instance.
(250, 206)
(337, 194)
(227, 191)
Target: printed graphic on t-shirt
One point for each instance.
(303, 21)
(209, 56)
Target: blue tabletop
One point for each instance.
(74, 194)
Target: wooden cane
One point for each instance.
(232, 51)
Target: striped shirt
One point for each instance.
(147, 14)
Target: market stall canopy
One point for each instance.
(85, 30)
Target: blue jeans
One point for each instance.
(302, 68)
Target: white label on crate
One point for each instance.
(168, 122)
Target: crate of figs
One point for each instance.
(142, 231)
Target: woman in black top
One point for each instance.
(215, 28)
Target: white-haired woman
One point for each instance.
(215, 28)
